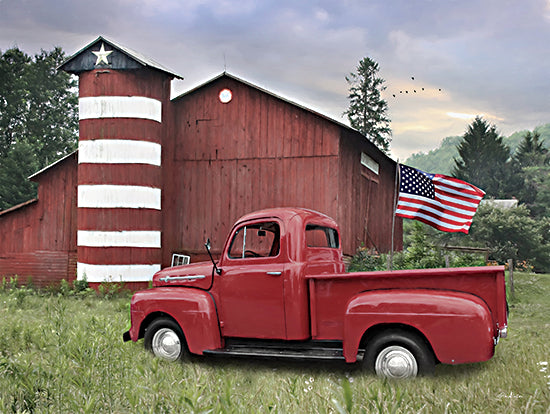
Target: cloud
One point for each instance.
(463, 116)
(487, 57)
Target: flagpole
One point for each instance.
(397, 180)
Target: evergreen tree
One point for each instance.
(19, 163)
(367, 110)
(531, 151)
(13, 97)
(533, 159)
(535, 193)
(485, 161)
(38, 119)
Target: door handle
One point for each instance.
(274, 273)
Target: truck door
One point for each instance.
(250, 287)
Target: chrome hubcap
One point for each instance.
(396, 362)
(166, 344)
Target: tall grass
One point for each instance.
(64, 354)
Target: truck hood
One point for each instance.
(197, 275)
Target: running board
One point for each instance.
(316, 353)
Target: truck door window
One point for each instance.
(320, 236)
(256, 240)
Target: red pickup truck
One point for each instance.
(280, 289)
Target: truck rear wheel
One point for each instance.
(165, 339)
(398, 354)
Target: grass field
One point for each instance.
(64, 354)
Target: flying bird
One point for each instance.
(416, 91)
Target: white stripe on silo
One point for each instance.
(96, 107)
(116, 273)
(134, 238)
(119, 151)
(118, 196)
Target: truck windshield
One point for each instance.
(320, 236)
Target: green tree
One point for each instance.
(535, 193)
(13, 98)
(485, 161)
(531, 151)
(513, 234)
(367, 110)
(38, 119)
(420, 253)
(533, 159)
(18, 164)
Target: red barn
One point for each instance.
(154, 176)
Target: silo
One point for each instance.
(122, 100)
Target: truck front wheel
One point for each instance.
(398, 354)
(165, 339)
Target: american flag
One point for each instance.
(446, 203)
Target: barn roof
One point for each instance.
(50, 166)
(105, 53)
(18, 206)
(225, 74)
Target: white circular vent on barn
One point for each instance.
(225, 95)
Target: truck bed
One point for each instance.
(330, 294)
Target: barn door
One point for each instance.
(369, 190)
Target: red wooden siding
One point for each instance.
(42, 268)
(120, 219)
(39, 239)
(146, 82)
(366, 198)
(145, 129)
(120, 174)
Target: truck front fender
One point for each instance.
(193, 309)
(458, 326)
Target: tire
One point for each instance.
(165, 339)
(398, 354)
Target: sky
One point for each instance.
(464, 58)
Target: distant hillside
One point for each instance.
(441, 159)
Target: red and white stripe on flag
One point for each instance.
(444, 202)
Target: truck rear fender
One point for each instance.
(457, 326)
(193, 310)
